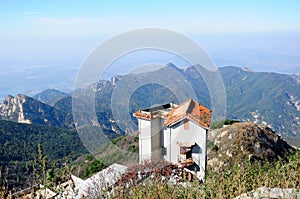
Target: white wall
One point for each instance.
(152, 138)
(144, 139)
(180, 135)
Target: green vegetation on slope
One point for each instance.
(19, 147)
(123, 150)
(228, 183)
(219, 124)
(18, 142)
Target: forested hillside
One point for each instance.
(19, 147)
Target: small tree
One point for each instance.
(40, 167)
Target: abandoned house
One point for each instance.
(175, 133)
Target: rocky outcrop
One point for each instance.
(265, 192)
(242, 142)
(24, 109)
(12, 109)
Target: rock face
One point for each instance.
(247, 141)
(265, 192)
(24, 109)
(12, 109)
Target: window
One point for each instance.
(185, 153)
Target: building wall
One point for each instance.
(154, 139)
(156, 127)
(144, 139)
(180, 134)
(150, 139)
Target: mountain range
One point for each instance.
(270, 99)
(24, 109)
(262, 97)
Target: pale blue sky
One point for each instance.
(50, 28)
(60, 33)
(52, 18)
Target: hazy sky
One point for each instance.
(53, 18)
(63, 33)
(32, 29)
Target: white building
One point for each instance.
(175, 133)
(94, 186)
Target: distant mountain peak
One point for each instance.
(12, 109)
(50, 96)
(174, 67)
(24, 109)
(9, 97)
(247, 69)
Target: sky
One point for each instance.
(27, 19)
(53, 33)
(36, 28)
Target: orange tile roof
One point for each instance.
(139, 114)
(189, 109)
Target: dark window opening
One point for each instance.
(185, 154)
(163, 150)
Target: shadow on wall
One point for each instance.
(196, 149)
